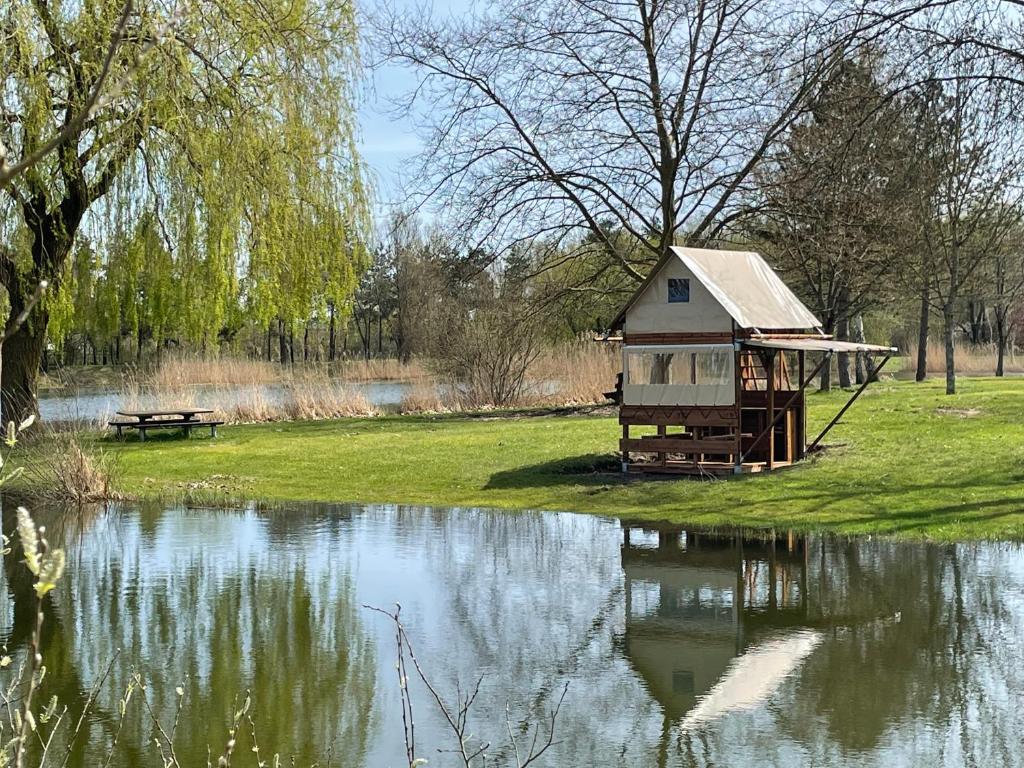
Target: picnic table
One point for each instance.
(186, 418)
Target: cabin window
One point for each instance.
(679, 375)
(678, 290)
(680, 366)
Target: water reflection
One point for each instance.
(696, 603)
(681, 647)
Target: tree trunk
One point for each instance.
(270, 338)
(20, 359)
(975, 309)
(291, 344)
(861, 361)
(1000, 313)
(947, 335)
(922, 336)
(282, 342)
(363, 329)
(305, 344)
(52, 236)
(843, 358)
(332, 344)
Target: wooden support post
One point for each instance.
(835, 420)
(738, 455)
(803, 385)
(662, 455)
(625, 453)
(801, 422)
(770, 369)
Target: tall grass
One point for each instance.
(378, 369)
(191, 371)
(577, 374)
(175, 373)
(68, 472)
(309, 395)
(566, 375)
(242, 391)
(969, 359)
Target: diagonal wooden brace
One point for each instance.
(778, 417)
(835, 420)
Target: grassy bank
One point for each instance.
(907, 461)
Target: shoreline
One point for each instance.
(906, 462)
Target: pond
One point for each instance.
(679, 647)
(100, 405)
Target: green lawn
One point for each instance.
(906, 461)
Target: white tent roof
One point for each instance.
(747, 288)
(752, 678)
(743, 283)
(819, 345)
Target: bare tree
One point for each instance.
(559, 119)
(488, 344)
(1007, 290)
(469, 750)
(968, 219)
(835, 198)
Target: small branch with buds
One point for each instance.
(458, 718)
(98, 97)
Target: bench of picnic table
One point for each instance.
(186, 424)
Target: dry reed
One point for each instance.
(317, 397)
(241, 391)
(177, 372)
(66, 473)
(980, 359)
(189, 371)
(428, 396)
(577, 374)
(307, 396)
(378, 369)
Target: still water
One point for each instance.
(680, 648)
(100, 405)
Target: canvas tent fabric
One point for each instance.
(748, 289)
(820, 345)
(693, 374)
(742, 283)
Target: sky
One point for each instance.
(389, 143)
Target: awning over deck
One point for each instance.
(811, 344)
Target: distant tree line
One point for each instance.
(871, 151)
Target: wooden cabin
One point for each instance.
(715, 364)
(713, 623)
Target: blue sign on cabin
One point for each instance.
(678, 290)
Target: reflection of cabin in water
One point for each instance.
(696, 602)
(700, 337)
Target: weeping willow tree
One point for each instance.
(220, 177)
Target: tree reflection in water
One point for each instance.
(681, 648)
(218, 604)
